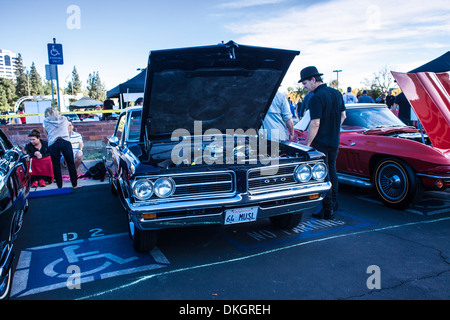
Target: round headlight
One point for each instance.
(164, 187)
(302, 173)
(142, 189)
(319, 171)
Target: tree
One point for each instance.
(297, 93)
(74, 86)
(95, 87)
(35, 81)
(47, 87)
(21, 78)
(333, 84)
(381, 83)
(3, 100)
(8, 91)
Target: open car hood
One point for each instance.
(429, 95)
(226, 86)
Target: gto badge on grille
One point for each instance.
(274, 180)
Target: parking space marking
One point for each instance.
(256, 237)
(430, 204)
(254, 255)
(45, 268)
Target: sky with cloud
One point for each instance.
(115, 37)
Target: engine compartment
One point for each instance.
(221, 150)
(415, 136)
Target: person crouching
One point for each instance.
(40, 162)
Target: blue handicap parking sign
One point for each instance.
(55, 53)
(56, 266)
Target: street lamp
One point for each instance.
(337, 77)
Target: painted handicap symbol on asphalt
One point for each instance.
(72, 258)
(52, 266)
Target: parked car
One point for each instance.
(378, 150)
(14, 190)
(192, 154)
(72, 117)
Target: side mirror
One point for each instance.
(113, 141)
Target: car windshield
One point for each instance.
(370, 118)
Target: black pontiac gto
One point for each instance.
(14, 190)
(194, 154)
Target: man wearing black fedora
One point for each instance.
(327, 111)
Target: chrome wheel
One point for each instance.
(395, 182)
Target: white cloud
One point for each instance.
(359, 37)
(239, 4)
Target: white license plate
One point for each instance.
(241, 215)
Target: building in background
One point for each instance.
(8, 61)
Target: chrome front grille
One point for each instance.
(196, 185)
(204, 183)
(259, 180)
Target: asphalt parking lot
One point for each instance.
(74, 245)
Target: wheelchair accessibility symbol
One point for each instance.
(51, 267)
(54, 52)
(73, 258)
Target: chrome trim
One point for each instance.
(292, 192)
(8, 259)
(433, 176)
(294, 165)
(264, 210)
(354, 181)
(242, 199)
(218, 218)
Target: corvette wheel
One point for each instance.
(395, 183)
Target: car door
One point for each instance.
(115, 146)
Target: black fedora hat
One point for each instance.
(309, 72)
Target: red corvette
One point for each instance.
(378, 150)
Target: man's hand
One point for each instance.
(312, 132)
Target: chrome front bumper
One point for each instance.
(195, 212)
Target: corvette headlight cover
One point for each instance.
(142, 189)
(164, 187)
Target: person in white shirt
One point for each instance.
(278, 121)
(349, 97)
(77, 145)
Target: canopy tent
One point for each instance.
(85, 102)
(440, 64)
(134, 85)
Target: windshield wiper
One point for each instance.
(388, 126)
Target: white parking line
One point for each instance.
(144, 278)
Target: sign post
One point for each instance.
(55, 57)
(50, 75)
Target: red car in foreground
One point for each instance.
(378, 150)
